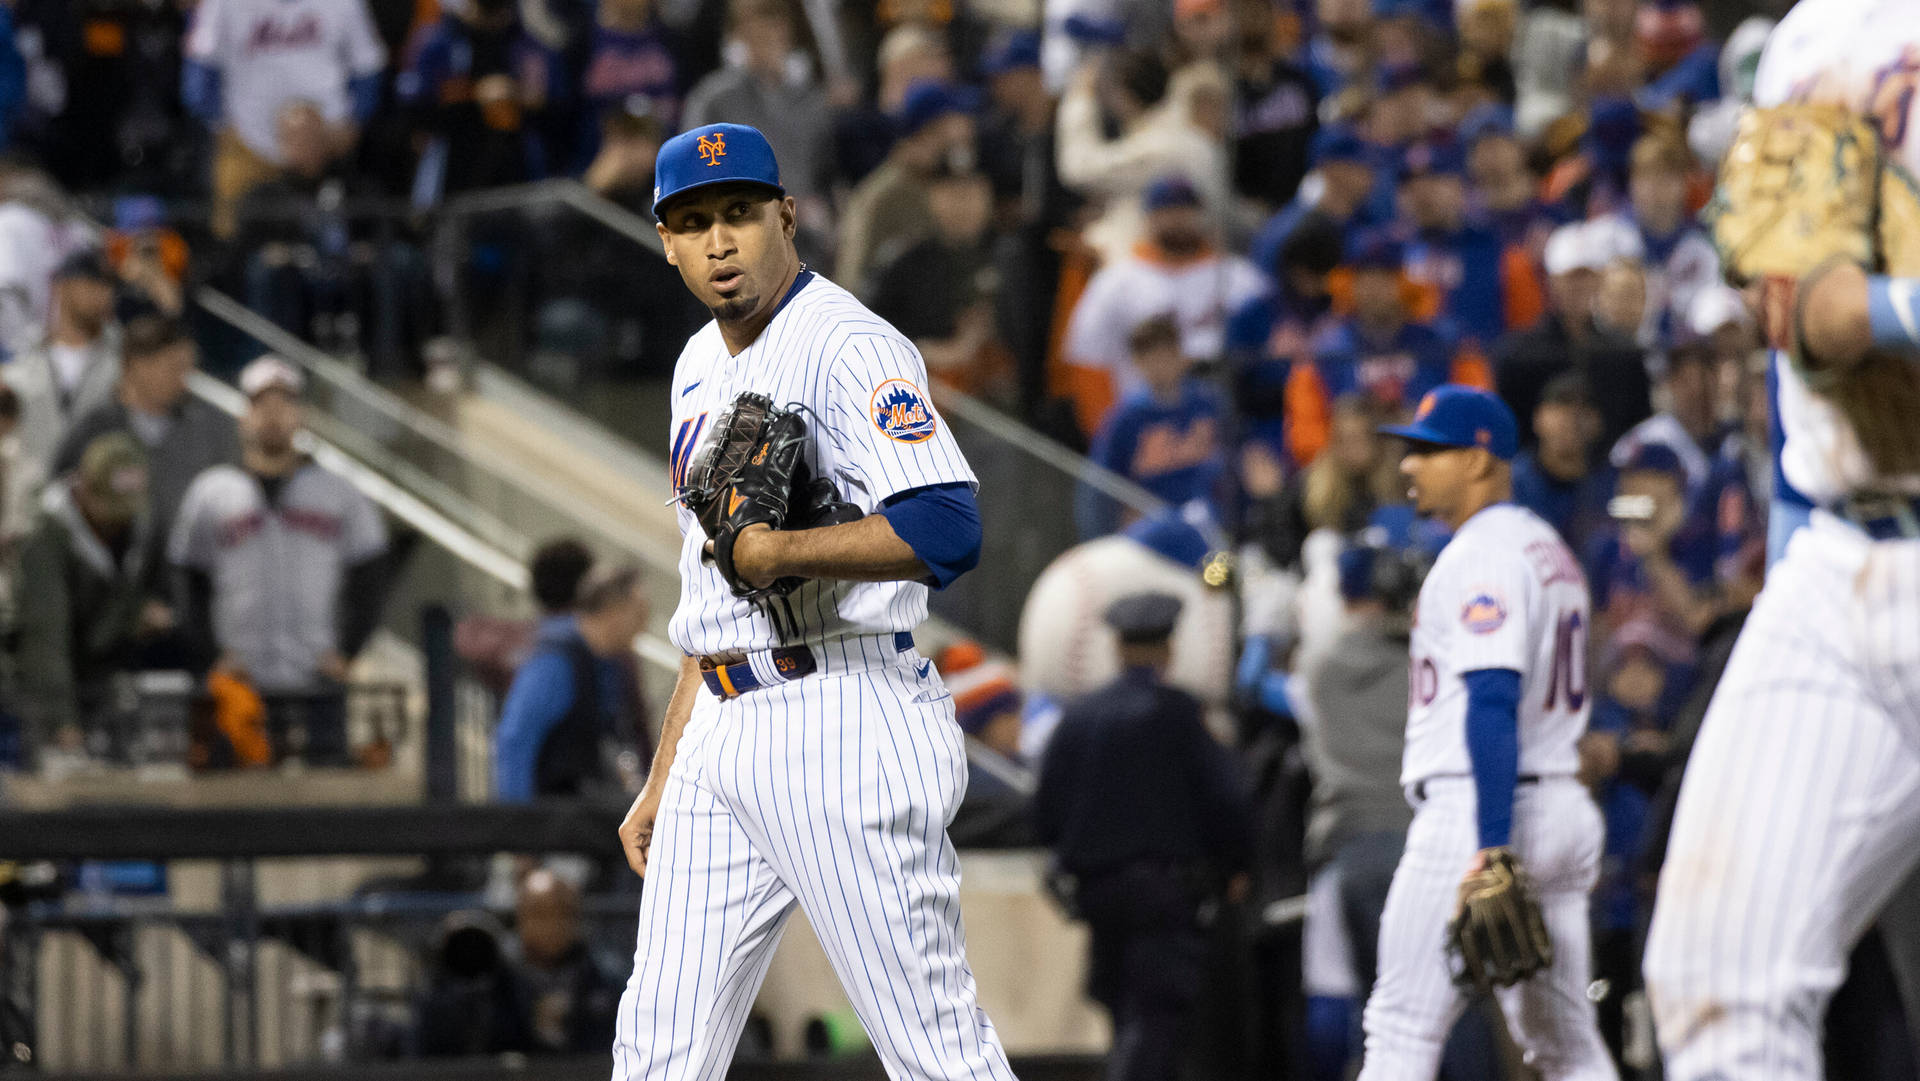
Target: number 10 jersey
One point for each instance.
(1504, 593)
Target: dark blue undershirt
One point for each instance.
(1493, 744)
(941, 523)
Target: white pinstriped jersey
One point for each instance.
(872, 428)
(1504, 593)
(1864, 55)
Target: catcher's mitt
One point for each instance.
(749, 470)
(1497, 936)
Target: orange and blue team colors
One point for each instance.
(712, 148)
(1392, 374)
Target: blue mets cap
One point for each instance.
(1011, 52)
(929, 100)
(1455, 416)
(1170, 190)
(1434, 157)
(715, 154)
(1374, 249)
(1654, 458)
(1338, 142)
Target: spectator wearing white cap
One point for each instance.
(1568, 338)
(278, 562)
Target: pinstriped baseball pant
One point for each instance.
(1799, 815)
(1557, 834)
(833, 793)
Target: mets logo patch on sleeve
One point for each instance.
(901, 412)
(1484, 614)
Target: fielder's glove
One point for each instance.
(1799, 188)
(1497, 936)
(751, 469)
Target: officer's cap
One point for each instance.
(1144, 618)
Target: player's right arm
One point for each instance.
(636, 832)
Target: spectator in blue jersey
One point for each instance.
(1459, 262)
(1659, 559)
(1645, 674)
(1271, 333)
(1380, 352)
(631, 65)
(1682, 63)
(1564, 477)
(1341, 48)
(1690, 425)
(1503, 187)
(574, 694)
(1165, 436)
(1660, 229)
(1339, 192)
(476, 88)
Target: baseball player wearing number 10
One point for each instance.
(1498, 698)
(809, 755)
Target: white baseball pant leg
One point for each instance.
(1557, 835)
(1799, 814)
(833, 792)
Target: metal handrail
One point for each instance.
(503, 467)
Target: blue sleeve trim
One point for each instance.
(1493, 743)
(941, 523)
(200, 91)
(1893, 311)
(364, 92)
(541, 694)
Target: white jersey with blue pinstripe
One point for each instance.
(1800, 809)
(871, 426)
(1505, 593)
(1863, 55)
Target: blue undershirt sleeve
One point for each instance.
(541, 695)
(364, 92)
(941, 523)
(1893, 311)
(1493, 743)
(200, 91)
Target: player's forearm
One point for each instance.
(1695, 609)
(679, 708)
(864, 551)
(1846, 312)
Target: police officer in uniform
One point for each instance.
(1150, 821)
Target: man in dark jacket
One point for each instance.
(575, 691)
(1567, 339)
(1148, 816)
(81, 595)
(182, 435)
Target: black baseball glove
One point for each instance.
(1497, 936)
(751, 469)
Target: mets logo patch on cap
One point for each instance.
(712, 148)
(1426, 406)
(1484, 614)
(901, 412)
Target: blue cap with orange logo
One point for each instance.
(715, 154)
(1452, 415)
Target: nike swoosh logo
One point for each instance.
(925, 667)
(688, 389)
(733, 502)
